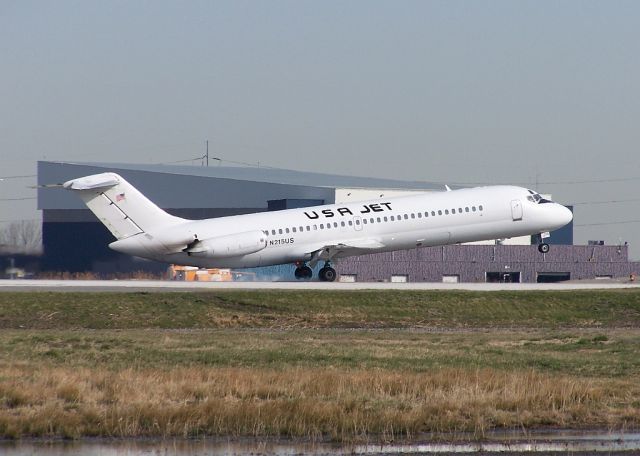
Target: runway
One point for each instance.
(159, 285)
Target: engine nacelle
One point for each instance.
(173, 239)
(228, 246)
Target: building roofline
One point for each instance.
(265, 174)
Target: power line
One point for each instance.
(255, 165)
(591, 181)
(183, 161)
(18, 177)
(605, 202)
(621, 222)
(21, 220)
(529, 184)
(221, 160)
(19, 199)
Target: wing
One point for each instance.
(354, 247)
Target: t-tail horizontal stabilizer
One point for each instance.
(119, 205)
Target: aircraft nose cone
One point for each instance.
(564, 215)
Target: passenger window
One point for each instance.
(473, 208)
(446, 212)
(385, 219)
(315, 227)
(371, 220)
(328, 226)
(293, 229)
(308, 228)
(419, 214)
(273, 232)
(322, 226)
(480, 207)
(440, 212)
(357, 222)
(335, 224)
(378, 219)
(433, 213)
(342, 223)
(280, 231)
(393, 218)
(459, 210)
(301, 229)
(364, 221)
(350, 223)
(413, 216)
(286, 230)
(466, 209)
(406, 217)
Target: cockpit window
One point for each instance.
(535, 197)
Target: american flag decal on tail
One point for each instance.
(120, 197)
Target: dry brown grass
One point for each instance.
(343, 405)
(150, 364)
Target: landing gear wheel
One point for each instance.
(303, 273)
(543, 248)
(327, 274)
(307, 273)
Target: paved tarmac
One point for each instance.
(158, 285)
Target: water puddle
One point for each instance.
(548, 443)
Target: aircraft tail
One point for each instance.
(119, 205)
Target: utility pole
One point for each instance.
(207, 154)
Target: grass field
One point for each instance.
(339, 365)
(320, 309)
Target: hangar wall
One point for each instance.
(471, 263)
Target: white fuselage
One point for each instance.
(381, 225)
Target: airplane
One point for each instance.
(310, 235)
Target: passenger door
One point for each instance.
(516, 210)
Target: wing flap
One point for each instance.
(354, 247)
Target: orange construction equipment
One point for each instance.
(193, 274)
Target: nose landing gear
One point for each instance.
(543, 248)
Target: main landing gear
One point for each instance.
(326, 274)
(543, 248)
(303, 272)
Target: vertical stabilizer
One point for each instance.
(119, 205)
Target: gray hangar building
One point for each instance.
(75, 241)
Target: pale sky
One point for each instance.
(447, 91)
